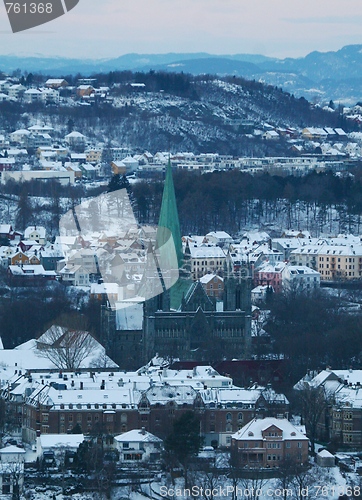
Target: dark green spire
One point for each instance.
(169, 217)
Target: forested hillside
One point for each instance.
(233, 201)
(178, 112)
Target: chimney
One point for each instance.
(81, 386)
(143, 431)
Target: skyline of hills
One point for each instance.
(319, 76)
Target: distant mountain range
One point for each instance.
(318, 76)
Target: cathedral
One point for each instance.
(181, 322)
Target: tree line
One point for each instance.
(233, 200)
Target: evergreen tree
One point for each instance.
(184, 440)
(24, 210)
(70, 126)
(119, 182)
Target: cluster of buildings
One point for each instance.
(111, 401)
(340, 422)
(53, 91)
(41, 152)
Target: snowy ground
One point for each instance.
(318, 483)
(322, 483)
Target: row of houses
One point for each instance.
(286, 263)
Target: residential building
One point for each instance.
(213, 285)
(76, 141)
(205, 258)
(269, 442)
(341, 420)
(56, 83)
(12, 461)
(270, 275)
(300, 279)
(29, 275)
(138, 445)
(333, 261)
(74, 275)
(220, 238)
(36, 233)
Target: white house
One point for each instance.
(258, 294)
(32, 95)
(58, 442)
(138, 445)
(11, 471)
(75, 275)
(35, 233)
(300, 278)
(131, 164)
(219, 238)
(16, 91)
(75, 139)
(20, 136)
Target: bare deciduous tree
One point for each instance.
(313, 402)
(66, 348)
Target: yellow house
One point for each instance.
(118, 167)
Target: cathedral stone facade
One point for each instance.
(200, 329)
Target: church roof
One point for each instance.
(178, 291)
(169, 217)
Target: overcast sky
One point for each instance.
(110, 28)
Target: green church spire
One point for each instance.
(169, 221)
